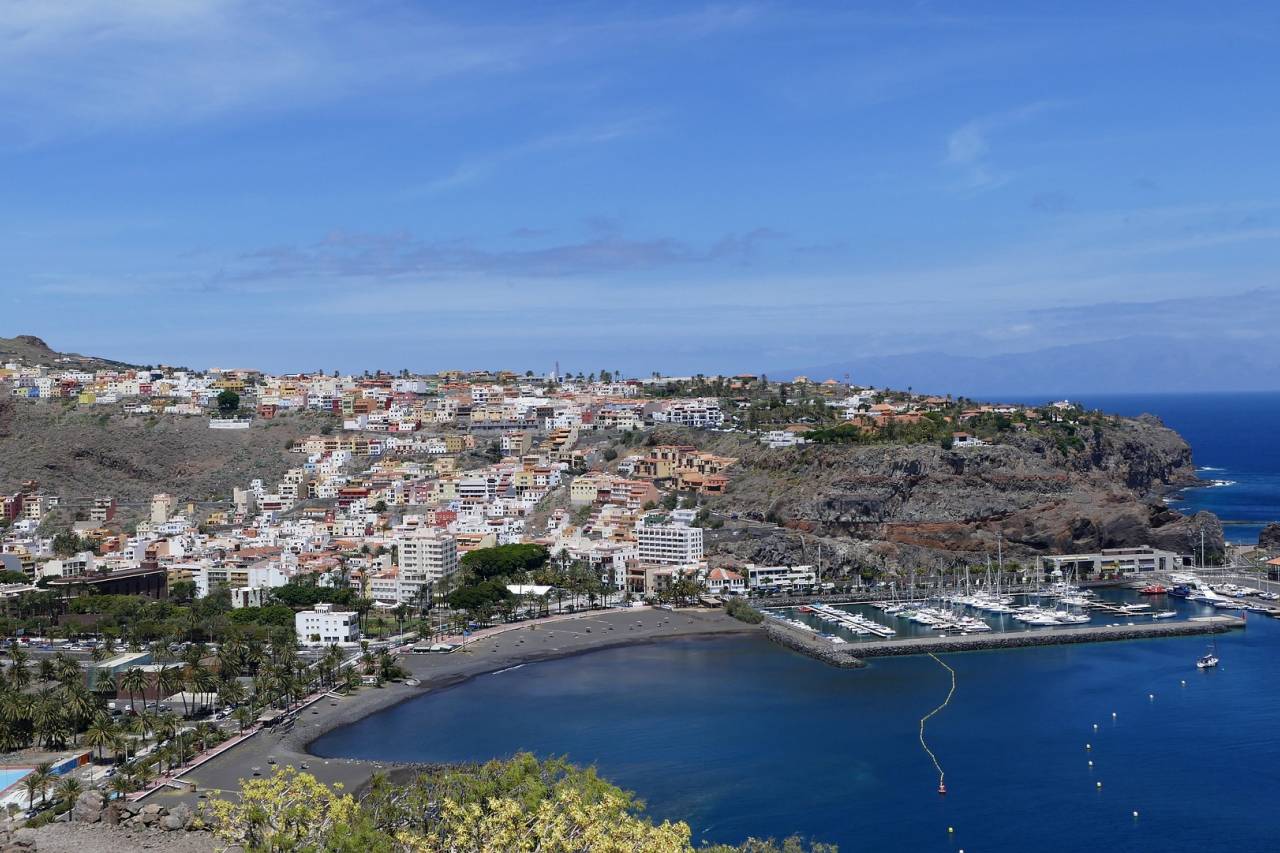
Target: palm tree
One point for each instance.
(243, 715)
(78, 704)
(68, 790)
(120, 785)
(42, 777)
(46, 670)
(205, 683)
(19, 674)
(46, 719)
(66, 670)
(166, 726)
(100, 734)
(134, 727)
(134, 681)
(169, 679)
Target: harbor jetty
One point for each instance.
(855, 654)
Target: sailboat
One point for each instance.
(1209, 660)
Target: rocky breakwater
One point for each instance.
(814, 647)
(888, 507)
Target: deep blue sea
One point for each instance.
(1233, 439)
(740, 737)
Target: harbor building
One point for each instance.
(1113, 563)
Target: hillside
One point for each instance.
(892, 506)
(30, 350)
(78, 454)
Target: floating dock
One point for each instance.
(853, 653)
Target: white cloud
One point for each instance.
(969, 147)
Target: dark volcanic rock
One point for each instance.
(1269, 538)
(888, 507)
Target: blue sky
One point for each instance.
(636, 186)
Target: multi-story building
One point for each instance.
(323, 625)
(659, 539)
(425, 556)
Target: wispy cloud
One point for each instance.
(969, 146)
(85, 65)
(478, 167)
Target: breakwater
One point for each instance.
(854, 654)
(814, 647)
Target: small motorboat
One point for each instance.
(1154, 589)
(1210, 659)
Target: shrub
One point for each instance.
(743, 612)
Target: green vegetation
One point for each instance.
(505, 561)
(228, 403)
(68, 544)
(742, 611)
(521, 804)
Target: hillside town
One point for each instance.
(416, 471)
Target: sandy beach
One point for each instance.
(529, 643)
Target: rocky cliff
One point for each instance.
(881, 507)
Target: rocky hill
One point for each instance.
(77, 453)
(30, 350)
(891, 505)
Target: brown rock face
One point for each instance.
(888, 507)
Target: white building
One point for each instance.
(783, 578)
(425, 556)
(246, 596)
(662, 540)
(324, 625)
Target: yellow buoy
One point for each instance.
(953, 829)
(1099, 784)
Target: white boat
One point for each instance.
(1164, 614)
(1210, 659)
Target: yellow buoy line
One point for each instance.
(941, 775)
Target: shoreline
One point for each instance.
(534, 643)
(398, 694)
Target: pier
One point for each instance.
(852, 654)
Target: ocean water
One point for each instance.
(1232, 437)
(742, 738)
